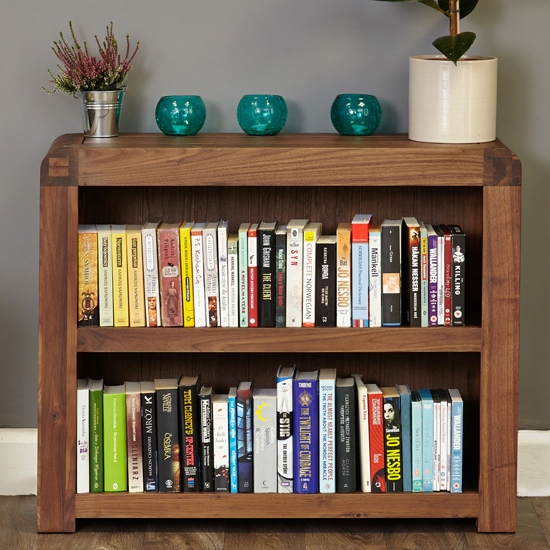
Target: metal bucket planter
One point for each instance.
(101, 112)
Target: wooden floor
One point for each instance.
(18, 532)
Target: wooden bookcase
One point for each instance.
(328, 178)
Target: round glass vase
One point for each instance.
(262, 114)
(180, 115)
(355, 114)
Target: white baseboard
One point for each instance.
(18, 462)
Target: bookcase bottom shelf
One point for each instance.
(283, 506)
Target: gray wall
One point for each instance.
(306, 50)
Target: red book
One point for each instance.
(376, 439)
(253, 275)
(448, 275)
(170, 274)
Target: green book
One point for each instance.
(114, 431)
(96, 436)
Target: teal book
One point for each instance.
(416, 441)
(114, 431)
(232, 414)
(427, 439)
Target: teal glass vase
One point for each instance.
(262, 114)
(355, 114)
(180, 115)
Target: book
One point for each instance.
(423, 275)
(211, 275)
(416, 441)
(206, 442)
(232, 413)
(411, 270)
(427, 439)
(280, 276)
(458, 288)
(346, 455)
(120, 276)
(325, 281)
(136, 295)
(134, 444)
(327, 430)
(264, 424)
(266, 282)
(170, 274)
(306, 431)
(360, 225)
(312, 232)
(244, 437)
(253, 275)
(433, 276)
(375, 276)
(457, 424)
(363, 443)
(82, 436)
(445, 466)
(343, 275)
(223, 274)
(114, 439)
(376, 439)
(392, 439)
(199, 291)
(406, 440)
(448, 274)
(233, 279)
(105, 275)
(391, 272)
(88, 285)
(151, 285)
(285, 429)
(149, 436)
(96, 435)
(186, 254)
(168, 440)
(243, 273)
(220, 431)
(294, 271)
(440, 275)
(189, 429)
(436, 439)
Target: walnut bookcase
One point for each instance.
(328, 178)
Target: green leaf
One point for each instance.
(454, 48)
(466, 6)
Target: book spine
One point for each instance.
(151, 275)
(325, 287)
(448, 254)
(308, 291)
(376, 440)
(233, 468)
(343, 275)
(393, 449)
(199, 291)
(82, 437)
(170, 276)
(424, 276)
(168, 441)
(253, 275)
(88, 286)
(458, 301)
(391, 275)
(360, 272)
(211, 276)
(444, 470)
(266, 298)
(244, 441)
(105, 275)
(187, 275)
(416, 444)
(436, 442)
(363, 434)
(265, 441)
(280, 277)
(134, 443)
(243, 274)
(149, 439)
(220, 424)
(190, 428)
(223, 274)
(285, 434)
(411, 272)
(346, 458)
(440, 276)
(96, 441)
(375, 279)
(233, 280)
(457, 409)
(433, 271)
(405, 398)
(207, 444)
(327, 436)
(136, 294)
(294, 276)
(114, 431)
(427, 440)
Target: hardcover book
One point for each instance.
(264, 423)
(244, 437)
(376, 439)
(253, 275)
(220, 429)
(189, 426)
(232, 413)
(167, 435)
(327, 430)
(391, 273)
(294, 271)
(105, 275)
(136, 295)
(280, 276)
(363, 433)
(360, 225)
(458, 289)
(457, 423)
(285, 429)
(114, 433)
(186, 253)
(416, 441)
(411, 269)
(88, 285)
(312, 232)
(306, 432)
(266, 283)
(233, 279)
(170, 274)
(223, 274)
(392, 439)
(149, 436)
(120, 276)
(375, 276)
(243, 273)
(211, 275)
(343, 275)
(134, 443)
(207, 442)
(96, 435)
(325, 281)
(406, 441)
(151, 274)
(199, 290)
(82, 436)
(346, 455)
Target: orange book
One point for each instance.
(88, 284)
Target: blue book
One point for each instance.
(306, 432)
(244, 437)
(232, 413)
(285, 428)
(427, 439)
(416, 441)
(405, 394)
(457, 423)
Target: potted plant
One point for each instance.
(452, 96)
(98, 81)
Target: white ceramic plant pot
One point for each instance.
(451, 103)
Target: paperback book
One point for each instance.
(151, 274)
(285, 429)
(244, 437)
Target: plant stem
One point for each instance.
(454, 17)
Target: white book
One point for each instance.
(211, 277)
(457, 414)
(134, 444)
(220, 428)
(294, 271)
(223, 274)
(105, 275)
(375, 277)
(327, 430)
(437, 440)
(360, 225)
(285, 427)
(82, 436)
(151, 274)
(243, 273)
(264, 425)
(233, 279)
(312, 232)
(363, 430)
(199, 294)
(445, 438)
(136, 294)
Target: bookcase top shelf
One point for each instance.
(282, 160)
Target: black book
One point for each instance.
(390, 255)
(280, 276)
(458, 300)
(149, 437)
(244, 437)
(411, 267)
(346, 440)
(393, 453)
(190, 432)
(325, 281)
(207, 443)
(266, 278)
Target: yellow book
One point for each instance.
(343, 275)
(88, 289)
(120, 276)
(187, 274)
(136, 295)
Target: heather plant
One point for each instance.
(80, 71)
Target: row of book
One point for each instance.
(315, 432)
(272, 275)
